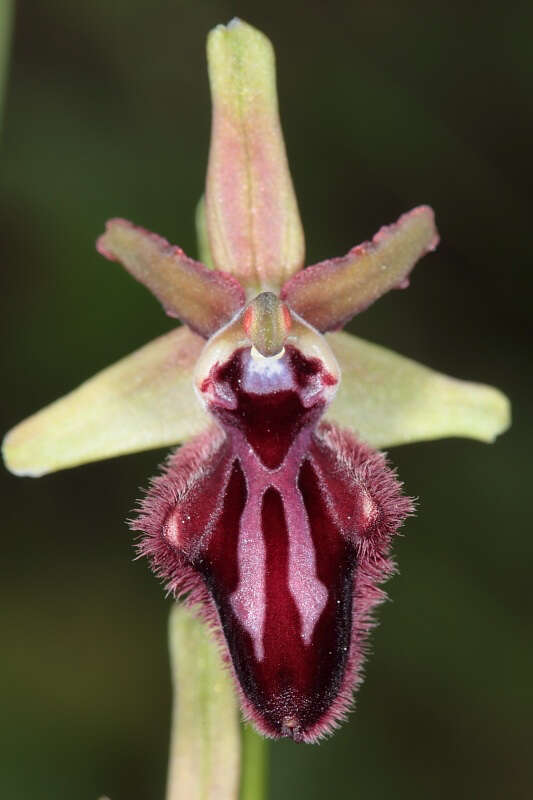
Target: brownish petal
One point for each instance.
(328, 294)
(202, 298)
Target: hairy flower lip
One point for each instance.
(186, 577)
(280, 541)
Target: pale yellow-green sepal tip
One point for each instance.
(145, 400)
(391, 400)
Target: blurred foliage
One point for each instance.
(385, 105)
(6, 28)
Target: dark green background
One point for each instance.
(385, 105)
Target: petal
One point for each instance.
(143, 401)
(205, 745)
(253, 222)
(202, 298)
(328, 294)
(389, 399)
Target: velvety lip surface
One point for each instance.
(271, 526)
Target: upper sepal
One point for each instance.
(253, 223)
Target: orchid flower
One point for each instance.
(276, 516)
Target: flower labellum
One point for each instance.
(275, 518)
(277, 524)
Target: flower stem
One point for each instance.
(205, 742)
(254, 765)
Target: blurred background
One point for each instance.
(385, 105)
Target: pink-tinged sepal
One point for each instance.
(279, 527)
(253, 224)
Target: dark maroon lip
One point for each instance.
(280, 530)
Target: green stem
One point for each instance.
(211, 757)
(254, 765)
(205, 742)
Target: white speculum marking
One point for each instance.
(308, 591)
(249, 600)
(260, 372)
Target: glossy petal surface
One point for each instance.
(388, 399)
(202, 298)
(330, 293)
(143, 401)
(252, 216)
